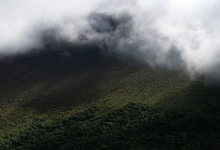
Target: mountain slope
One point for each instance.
(85, 100)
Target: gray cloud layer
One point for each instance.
(177, 34)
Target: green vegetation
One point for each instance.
(107, 105)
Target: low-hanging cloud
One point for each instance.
(176, 34)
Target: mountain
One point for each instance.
(80, 97)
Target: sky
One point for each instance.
(175, 34)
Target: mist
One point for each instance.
(174, 34)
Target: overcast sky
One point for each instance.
(171, 33)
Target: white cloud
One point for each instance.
(191, 27)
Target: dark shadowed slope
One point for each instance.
(78, 98)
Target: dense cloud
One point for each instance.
(176, 34)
